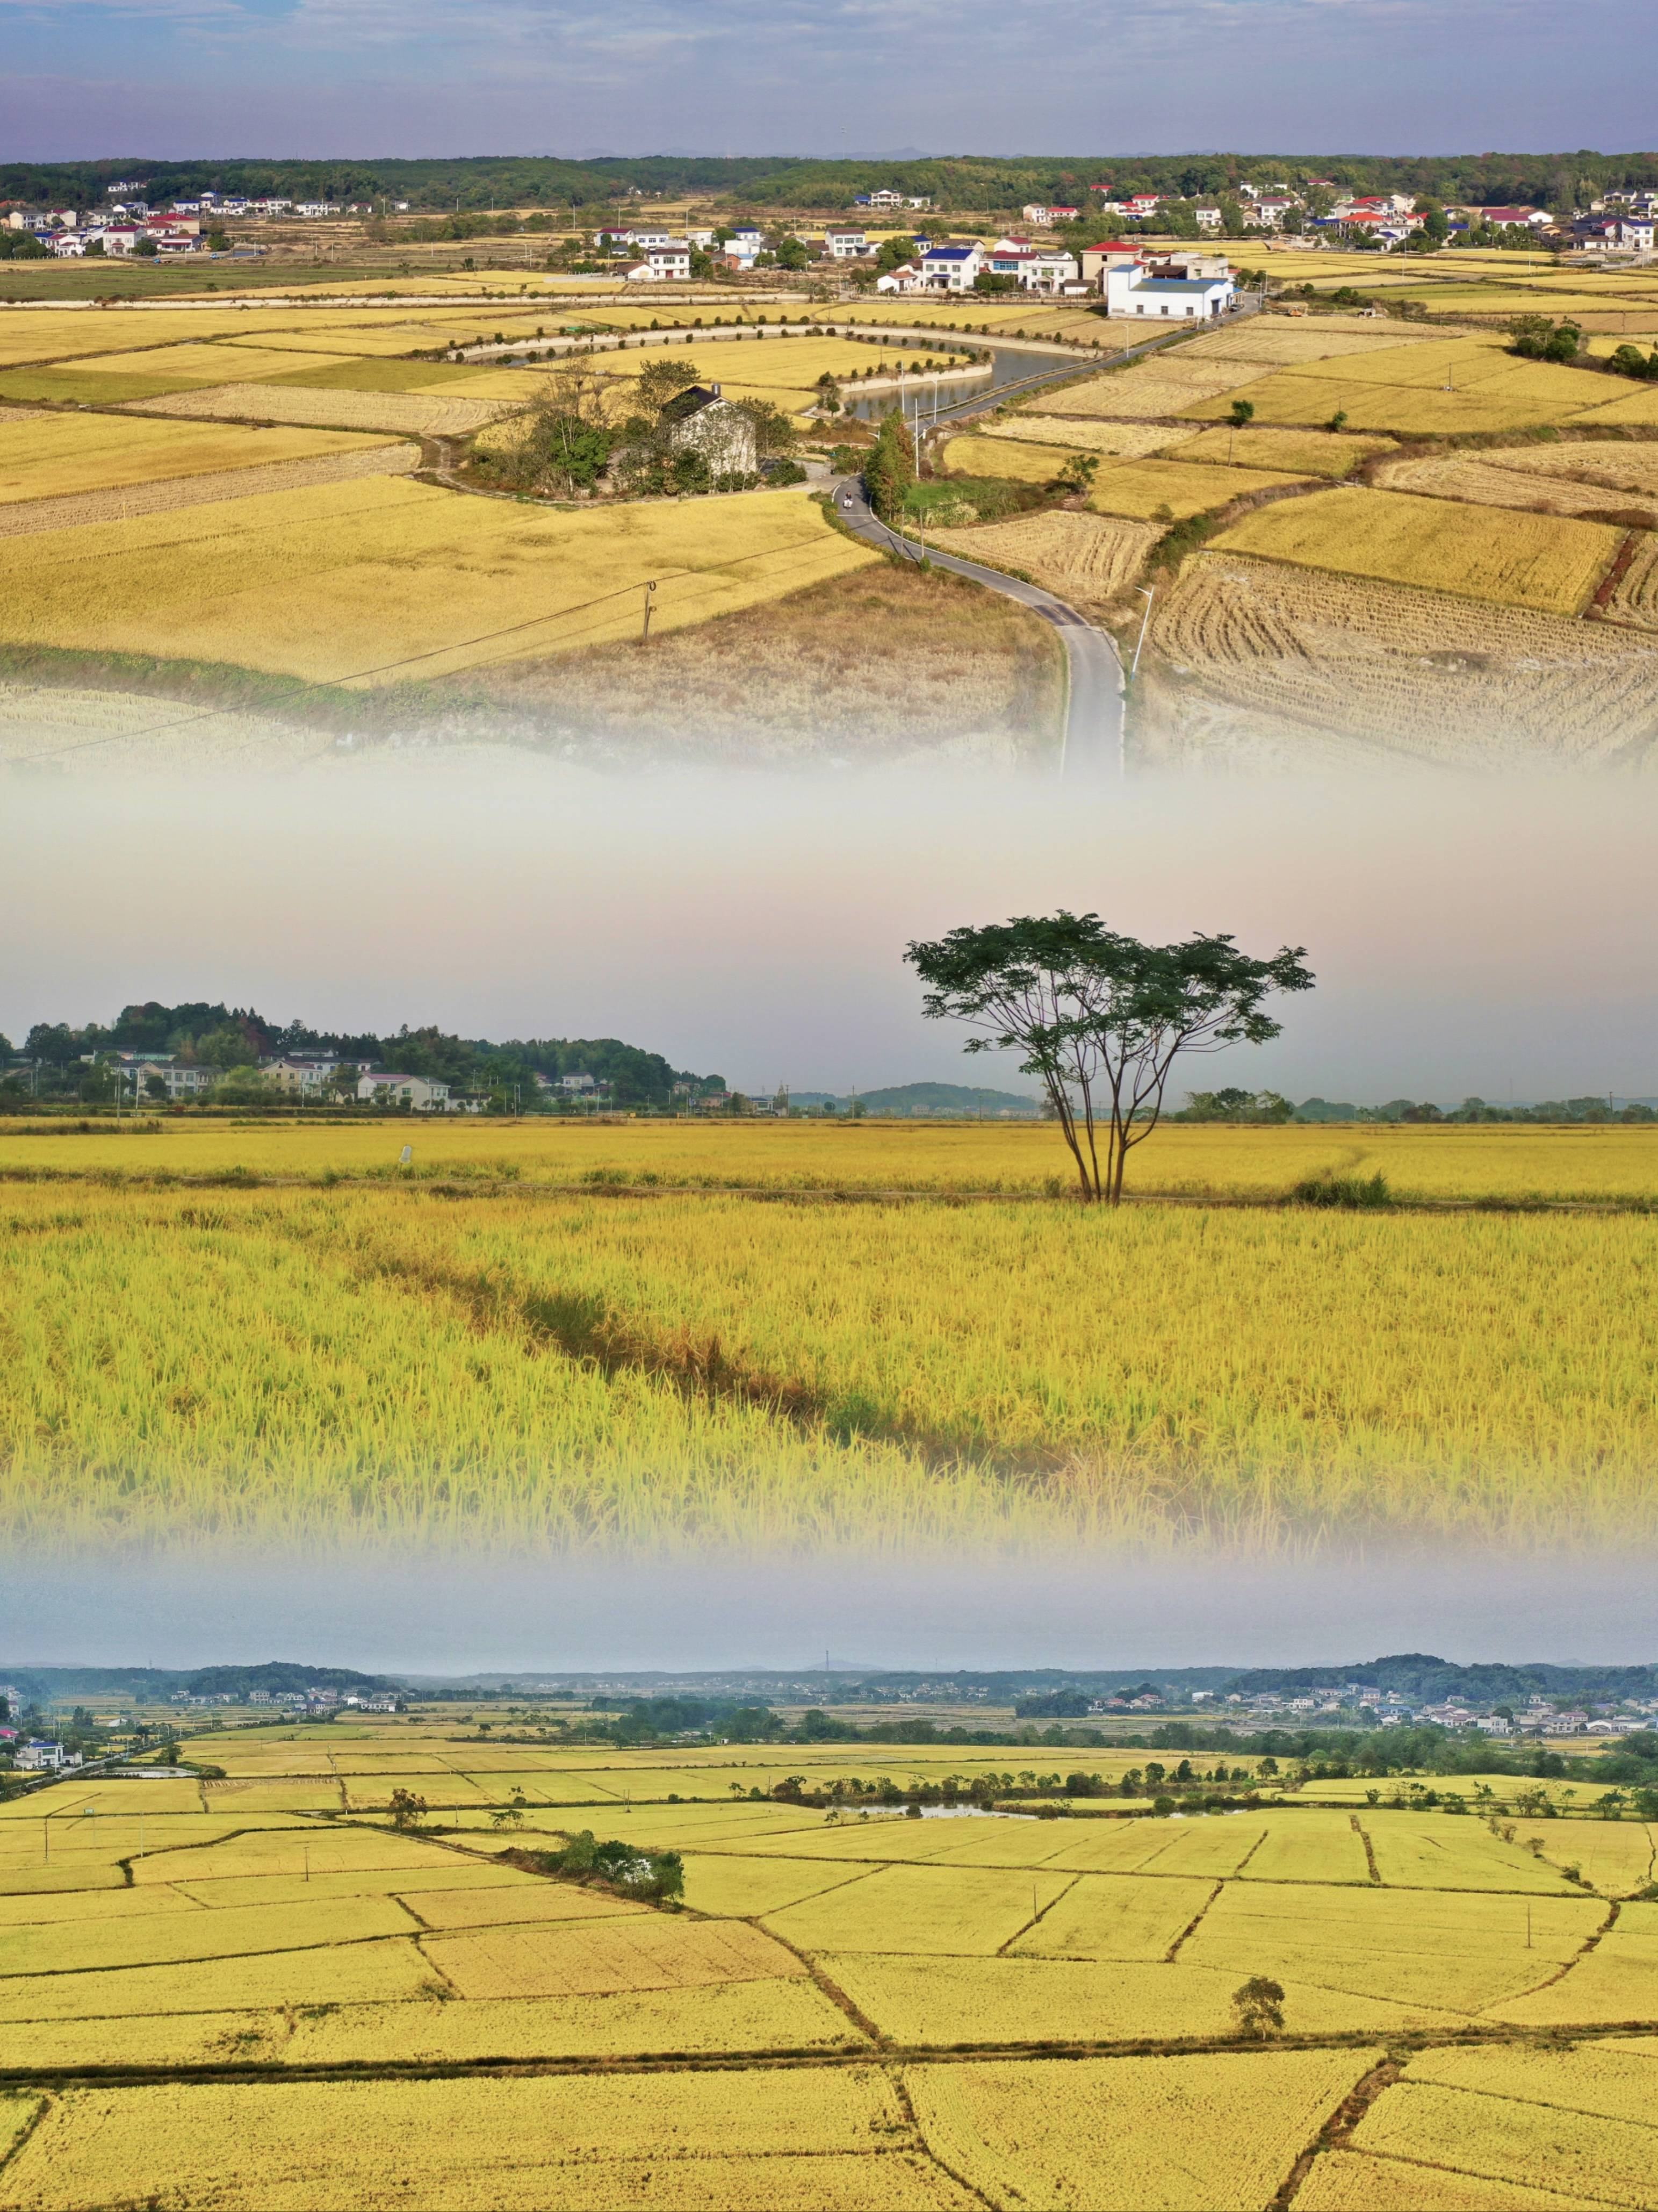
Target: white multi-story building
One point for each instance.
(845, 245)
(381, 1086)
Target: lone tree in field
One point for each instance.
(1259, 2007)
(1101, 1018)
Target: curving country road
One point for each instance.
(1094, 720)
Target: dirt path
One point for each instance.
(23, 518)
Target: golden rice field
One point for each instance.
(1551, 564)
(969, 2006)
(1300, 453)
(45, 456)
(382, 579)
(514, 1344)
(1137, 490)
(1081, 433)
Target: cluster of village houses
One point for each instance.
(180, 227)
(1620, 222)
(152, 1075)
(1134, 280)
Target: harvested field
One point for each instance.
(1548, 564)
(25, 518)
(1634, 599)
(412, 415)
(1152, 390)
(1613, 464)
(1487, 480)
(1284, 666)
(1303, 452)
(1278, 341)
(1082, 434)
(1081, 556)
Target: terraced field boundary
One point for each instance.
(1410, 2041)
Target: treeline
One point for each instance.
(214, 1034)
(1258, 1107)
(479, 184)
(1425, 1680)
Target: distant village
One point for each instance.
(1313, 213)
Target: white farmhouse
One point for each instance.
(952, 267)
(379, 1086)
(1130, 292)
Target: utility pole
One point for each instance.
(650, 596)
(1148, 595)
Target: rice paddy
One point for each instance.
(383, 577)
(1551, 564)
(905, 2024)
(513, 1344)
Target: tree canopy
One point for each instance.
(1101, 1018)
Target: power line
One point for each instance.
(358, 675)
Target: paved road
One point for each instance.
(1094, 723)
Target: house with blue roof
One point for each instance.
(953, 265)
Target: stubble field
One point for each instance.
(850, 2008)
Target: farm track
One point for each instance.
(793, 2059)
(24, 518)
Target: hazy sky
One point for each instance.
(452, 1615)
(1468, 937)
(180, 77)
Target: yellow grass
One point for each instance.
(1303, 452)
(1550, 562)
(404, 579)
(642, 1951)
(1132, 2135)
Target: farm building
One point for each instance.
(701, 421)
